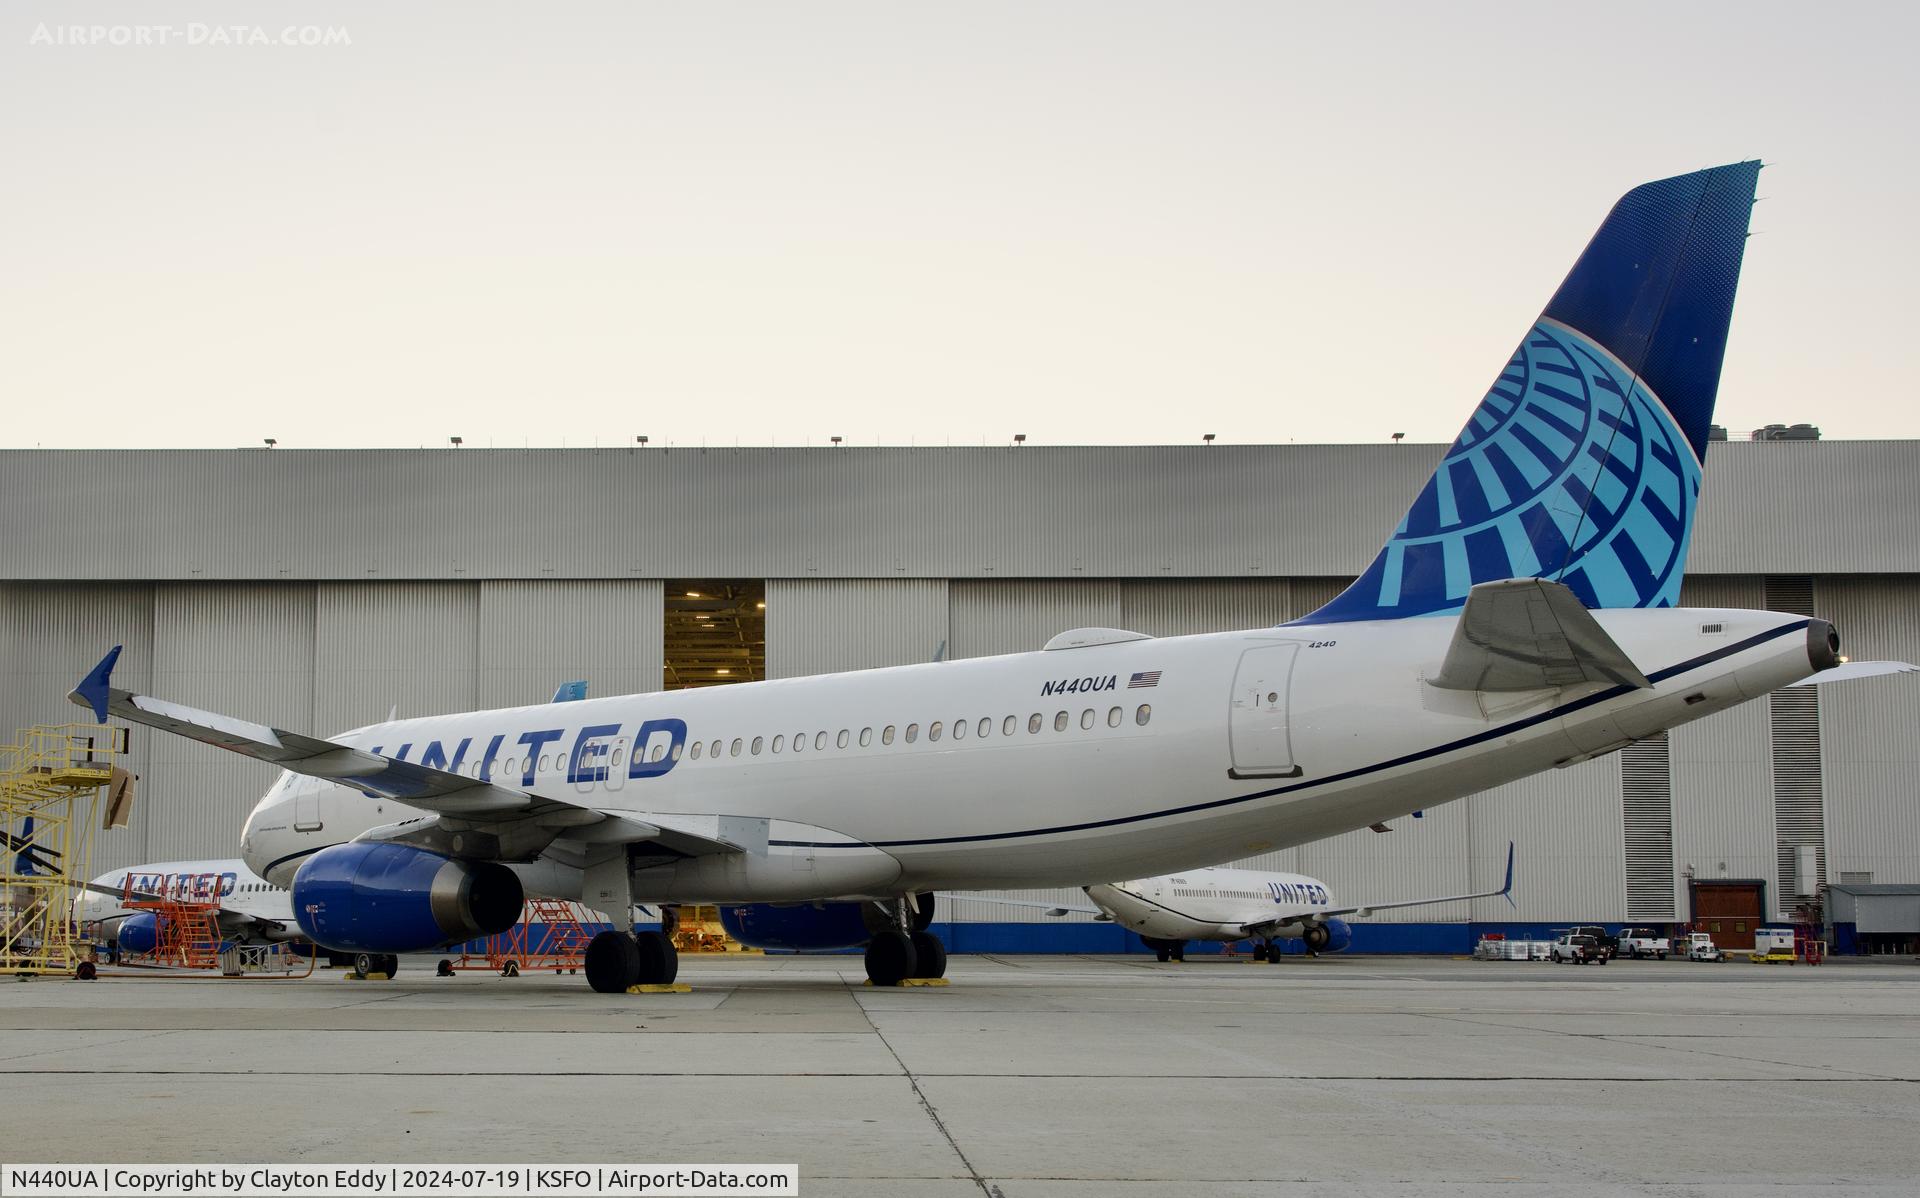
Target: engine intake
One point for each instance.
(393, 898)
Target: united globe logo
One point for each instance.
(1569, 469)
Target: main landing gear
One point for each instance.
(1166, 950)
(617, 961)
(1268, 951)
(906, 950)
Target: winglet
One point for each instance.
(93, 689)
(1506, 890)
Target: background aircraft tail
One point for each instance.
(1582, 464)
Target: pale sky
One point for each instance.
(769, 223)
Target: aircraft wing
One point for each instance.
(1527, 634)
(1055, 909)
(511, 822)
(1505, 891)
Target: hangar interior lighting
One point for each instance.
(715, 632)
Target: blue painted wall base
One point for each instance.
(1100, 938)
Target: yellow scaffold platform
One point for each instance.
(51, 784)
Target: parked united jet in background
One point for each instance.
(1231, 905)
(1518, 619)
(252, 910)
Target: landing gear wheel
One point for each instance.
(1179, 949)
(1273, 954)
(86, 971)
(510, 970)
(364, 964)
(929, 955)
(613, 962)
(659, 963)
(890, 958)
(390, 964)
(1259, 952)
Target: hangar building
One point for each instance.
(318, 590)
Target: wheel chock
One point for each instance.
(368, 977)
(914, 982)
(657, 988)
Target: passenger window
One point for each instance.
(1142, 714)
(1113, 717)
(1059, 721)
(616, 755)
(713, 750)
(734, 750)
(758, 742)
(1009, 725)
(659, 751)
(933, 730)
(543, 763)
(1035, 723)
(866, 737)
(819, 740)
(1086, 718)
(678, 748)
(913, 733)
(696, 750)
(986, 727)
(959, 729)
(778, 741)
(799, 742)
(840, 741)
(886, 735)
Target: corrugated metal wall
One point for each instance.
(1867, 728)
(1568, 837)
(378, 647)
(1017, 617)
(1035, 512)
(246, 650)
(533, 636)
(52, 636)
(817, 626)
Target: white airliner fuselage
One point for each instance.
(1059, 767)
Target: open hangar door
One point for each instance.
(714, 632)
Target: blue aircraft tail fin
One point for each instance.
(1582, 463)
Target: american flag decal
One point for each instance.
(1147, 678)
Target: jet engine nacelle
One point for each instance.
(1333, 936)
(138, 933)
(393, 898)
(807, 927)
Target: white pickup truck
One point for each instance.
(1576, 949)
(1639, 943)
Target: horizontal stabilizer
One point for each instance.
(1858, 669)
(1363, 910)
(1528, 634)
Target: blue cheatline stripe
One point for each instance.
(277, 861)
